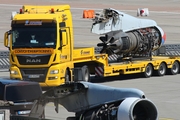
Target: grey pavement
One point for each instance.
(163, 91)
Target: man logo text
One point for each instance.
(33, 60)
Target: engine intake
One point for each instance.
(137, 109)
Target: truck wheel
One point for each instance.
(162, 70)
(148, 71)
(175, 68)
(67, 76)
(85, 73)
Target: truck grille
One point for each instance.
(37, 75)
(33, 59)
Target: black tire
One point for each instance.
(85, 74)
(175, 68)
(67, 76)
(162, 70)
(148, 71)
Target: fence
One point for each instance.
(4, 60)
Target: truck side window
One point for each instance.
(63, 37)
(60, 37)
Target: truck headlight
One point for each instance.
(54, 71)
(14, 72)
(52, 78)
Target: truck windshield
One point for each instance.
(34, 37)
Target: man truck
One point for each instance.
(41, 45)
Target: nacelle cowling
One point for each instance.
(137, 109)
(90, 101)
(131, 108)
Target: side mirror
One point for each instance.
(6, 38)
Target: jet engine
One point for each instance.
(90, 101)
(128, 109)
(125, 35)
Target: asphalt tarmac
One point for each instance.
(163, 91)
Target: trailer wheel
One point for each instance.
(148, 71)
(85, 73)
(175, 68)
(162, 70)
(67, 76)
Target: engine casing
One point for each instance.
(132, 43)
(137, 109)
(131, 108)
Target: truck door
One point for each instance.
(65, 45)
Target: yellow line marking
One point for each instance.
(166, 119)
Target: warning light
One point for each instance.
(52, 10)
(20, 11)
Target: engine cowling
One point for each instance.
(129, 109)
(137, 109)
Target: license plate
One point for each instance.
(23, 112)
(34, 76)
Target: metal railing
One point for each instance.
(4, 60)
(169, 50)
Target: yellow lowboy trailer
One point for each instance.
(161, 64)
(158, 65)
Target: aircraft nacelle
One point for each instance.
(90, 101)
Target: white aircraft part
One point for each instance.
(120, 21)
